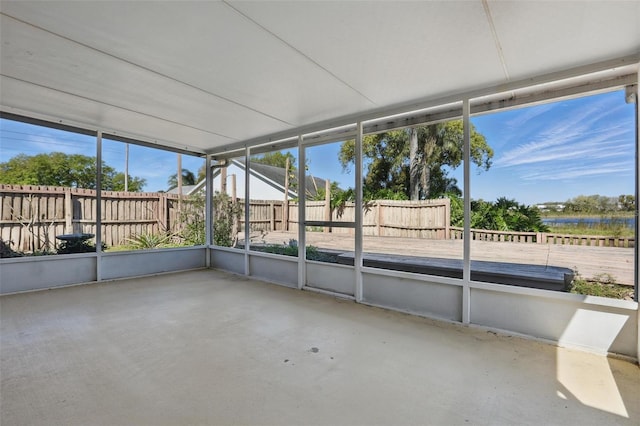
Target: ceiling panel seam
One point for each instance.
(117, 106)
(298, 51)
(184, 83)
(496, 39)
(425, 103)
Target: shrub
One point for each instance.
(193, 220)
(7, 251)
(226, 216)
(77, 246)
(148, 240)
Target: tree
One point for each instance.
(202, 172)
(411, 160)
(60, 169)
(276, 159)
(627, 203)
(116, 183)
(188, 178)
(591, 204)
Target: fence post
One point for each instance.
(68, 211)
(272, 216)
(285, 204)
(327, 204)
(285, 215)
(167, 213)
(447, 218)
(378, 216)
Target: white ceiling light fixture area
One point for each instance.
(209, 75)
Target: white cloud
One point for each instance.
(580, 171)
(36, 140)
(527, 115)
(588, 132)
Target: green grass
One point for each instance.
(592, 230)
(614, 228)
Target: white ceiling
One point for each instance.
(202, 75)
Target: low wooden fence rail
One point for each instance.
(544, 238)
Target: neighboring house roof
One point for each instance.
(186, 189)
(273, 176)
(277, 175)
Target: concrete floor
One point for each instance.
(207, 347)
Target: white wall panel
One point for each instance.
(331, 277)
(228, 260)
(415, 296)
(33, 273)
(597, 327)
(147, 262)
(277, 269)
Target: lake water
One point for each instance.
(629, 222)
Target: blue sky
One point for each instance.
(153, 165)
(549, 152)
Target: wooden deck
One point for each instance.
(587, 261)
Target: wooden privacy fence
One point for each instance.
(419, 219)
(544, 238)
(32, 216)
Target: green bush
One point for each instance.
(502, 215)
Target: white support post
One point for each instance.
(247, 204)
(466, 270)
(637, 193)
(358, 216)
(208, 217)
(99, 206)
(302, 190)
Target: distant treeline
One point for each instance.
(591, 205)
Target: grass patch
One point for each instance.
(602, 285)
(600, 230)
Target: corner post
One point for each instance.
(302, 190)
(357, 259)
(208, 214)
(99, 206)
(247, 206)
(466, 239)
